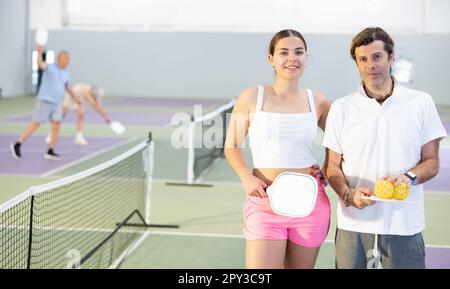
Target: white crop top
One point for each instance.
(282, 140)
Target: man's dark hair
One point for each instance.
(368, 36)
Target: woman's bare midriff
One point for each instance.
(269, 175)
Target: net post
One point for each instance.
(193, 179)
(30, 233)
(149, 163)
(149, 177)
(191, 140)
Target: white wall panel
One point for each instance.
(319, 16)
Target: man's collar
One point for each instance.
(361, 91)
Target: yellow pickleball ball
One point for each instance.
(401, 192)
(384, 189)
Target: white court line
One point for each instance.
(440, 193)
(438, 246)
(8, 118)
(196, 234)
(85, 158)
(238, 184)
(128, 251)
(19, 175)
(231, 236)
(68, 229)
(207, 235)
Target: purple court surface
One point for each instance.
(134, 118)
(441, 182)
(33, 150)
(447, 127)
(127, 118)
(437, 258)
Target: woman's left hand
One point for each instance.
(318, 174)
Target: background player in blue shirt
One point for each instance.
(55, 83)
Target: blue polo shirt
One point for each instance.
(53, 85)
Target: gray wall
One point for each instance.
(13, 33)
(219, 65)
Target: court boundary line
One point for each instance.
(21, 176)
(116, 264)
(164, 180)
(207, 235)
(237, 183)
(235, 236)
(5, 120)
(5, 117)
(85, 158)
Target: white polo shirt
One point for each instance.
(376, 140)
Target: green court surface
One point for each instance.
(210, 218)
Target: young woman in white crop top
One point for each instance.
(281, 120)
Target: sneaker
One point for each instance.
(15, 150)
(51, 155)
(80, 140)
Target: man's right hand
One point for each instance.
(356, 200)
(42, 65)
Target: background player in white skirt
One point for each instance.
(91, 94)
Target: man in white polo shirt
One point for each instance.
(382, 130)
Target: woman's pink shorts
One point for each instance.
(261, 223)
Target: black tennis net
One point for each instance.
(207, 139)
(80, 221)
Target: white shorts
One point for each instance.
(70, 103)
(79, 90)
